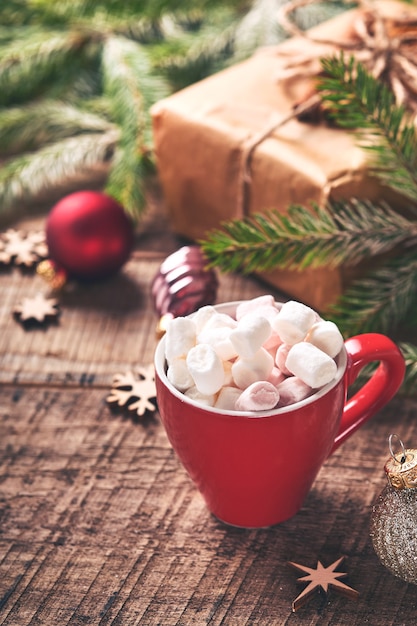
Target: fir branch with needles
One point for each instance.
(208, 50)
(130, 88)
(341, 233)
(32, 126)
(94, 68)
(409, 351)
(383, 300)
(356, 101)
(61, 165)
(29, 67)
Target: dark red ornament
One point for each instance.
(89, 235)
(183, 283)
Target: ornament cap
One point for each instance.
(54, 276)
(162, 325)
(401, 468)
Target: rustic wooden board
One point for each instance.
(99, 523)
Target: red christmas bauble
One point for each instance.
(89, 235)
(183, 283)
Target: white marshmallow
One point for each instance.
(206, 369)
(281, 358)
(293, 321)
(312, 365)
(251, 332)
(180, 337)
(260, 396)
(197, 396)
(247, 371)
(292, 390)
(218, 337)
(252, 306)
(219, 320)
(179, 375)
(326, 336)
(202, 316)
(227, 398)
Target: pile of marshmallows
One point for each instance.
(270, 355)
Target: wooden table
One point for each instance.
(99, 522)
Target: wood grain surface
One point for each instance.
(99, 523)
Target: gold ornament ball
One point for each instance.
(394, 531)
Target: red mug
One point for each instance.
(255, 469)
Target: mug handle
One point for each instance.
(379, 389)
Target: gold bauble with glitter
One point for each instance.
(394, 516)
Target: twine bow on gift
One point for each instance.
(385, 43)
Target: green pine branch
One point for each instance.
(409, 351)
(131, 85)
(383, 300)
(29, 67)
(93, 66)
(342, 233)
(32, 126)
(130, 88)
(56, 166)
(183, 64)
(358, 102)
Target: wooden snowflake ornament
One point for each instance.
(134, 392)
(37, 310)
(24, 250)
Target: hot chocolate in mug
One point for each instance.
(255, 469)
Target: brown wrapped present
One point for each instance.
(229, 146)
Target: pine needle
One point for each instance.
(343, 233)
(27, 128)
(126, 180)
(383, 300)
(59, 166)
(409, 351)
(98, 57)
(131, 89)
(359, 102)
(257, 29)
(28, 67)
(195, 55)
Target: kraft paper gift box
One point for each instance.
(209, 135)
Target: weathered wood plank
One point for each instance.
(101, 525)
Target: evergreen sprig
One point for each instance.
(343, 232)
(409, 351)
(94, 68)
(383, 300)
(30, 66)
(358, 102)
(130, 88)
(30, 127)
(61, 165)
